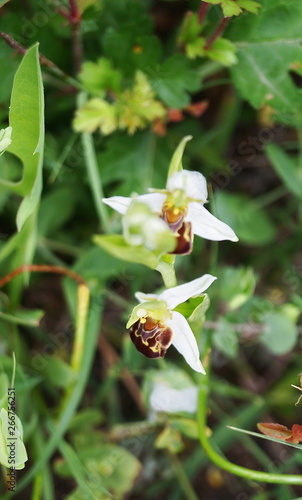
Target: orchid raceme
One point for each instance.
(155, 324)
(180, 205)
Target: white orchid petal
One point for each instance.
(118, 203)
(179, 294)
(154, 201)
(145, 297)
(207, 226)
(184, 341)
(122, 203)
(193, 183)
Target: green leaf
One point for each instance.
(250, 5)
(118, 247)
(59, 373)
(190, 29)
(26, 118)
(286, 169)
(96, 113)
(229, 7)
(223, 51)
(269, 46)
(24, 317)
(280, 333)
(173, 79)
(130, 48)
(232, 8)
(100, 77)
(226, 339)
(251, 224)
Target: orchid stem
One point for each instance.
(168, 273)
(222, 462)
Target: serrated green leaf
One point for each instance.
(280, 333)
(99, 77)
(173, 80)
(96, 113)
(118, 247)
(267, 50)
(26, 118)
(229, 7)
(223, 51)
(285, 168)
(250, 5)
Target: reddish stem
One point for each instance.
(219, 30)
(73, 16)
(77, 46)
(202, 12)
(74, 11)
(22, 50)
(42, 268)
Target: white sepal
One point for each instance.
(184, 341)
(207, 226)
(179, 294)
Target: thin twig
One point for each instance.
(202, 12)
(217, 33)
(42, 268)
(43, 60)
(77, 45)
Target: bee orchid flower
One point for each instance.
(155, 324)
(180, 205)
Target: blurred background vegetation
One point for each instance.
(133, 78)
